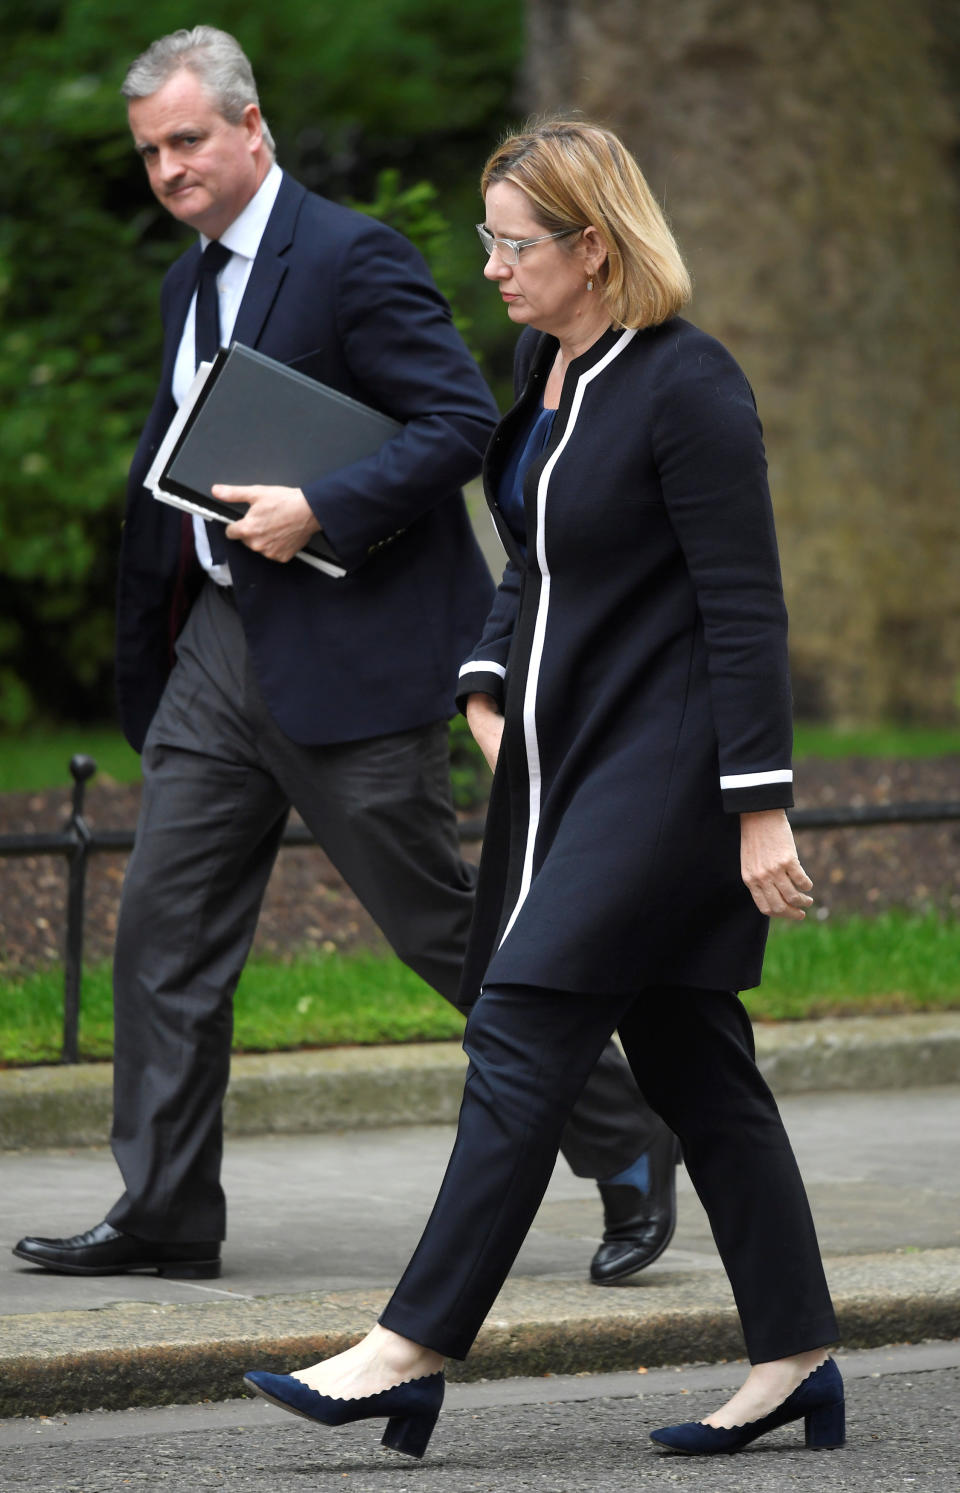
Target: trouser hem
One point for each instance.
(820, 1332)
(128, 1221)
(438, 1339)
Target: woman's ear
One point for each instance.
(594, 250)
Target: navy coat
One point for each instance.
(350, 302)
(640, 652)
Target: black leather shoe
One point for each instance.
(104, 1251)
(638, 1226)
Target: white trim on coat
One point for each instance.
(482, 666)
(540, 628)
(755, 779)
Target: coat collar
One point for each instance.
(266, 276)
(531, 396)
(538, 371)
(269, 267)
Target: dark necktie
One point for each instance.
(206, 344)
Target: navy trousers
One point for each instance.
(691, 1051)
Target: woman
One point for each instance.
(631, 691)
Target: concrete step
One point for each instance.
(420, 1083)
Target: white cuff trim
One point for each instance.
(754, 779)
(483, 666)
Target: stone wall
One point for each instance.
(806, 153)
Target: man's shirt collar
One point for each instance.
(247, 229)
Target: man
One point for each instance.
(252, 682)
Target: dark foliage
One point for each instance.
(368, 103)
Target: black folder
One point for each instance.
(257, 420)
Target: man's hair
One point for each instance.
(576, 174)
(216, 58)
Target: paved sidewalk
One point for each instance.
(321, 1225)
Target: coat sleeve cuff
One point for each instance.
(480, 676)
(750, 792)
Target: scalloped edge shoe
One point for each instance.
(817, 1400)
(412, 1407)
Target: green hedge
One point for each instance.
(411, 88)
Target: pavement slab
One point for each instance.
(321, 1226)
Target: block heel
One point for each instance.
(411, 1409)
(409, 1433)
(818, 1402)
(826, 1427)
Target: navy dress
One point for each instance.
(527, 447)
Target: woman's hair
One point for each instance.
(219, 62)
(577, 174)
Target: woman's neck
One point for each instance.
(572, 345)
(580, 339)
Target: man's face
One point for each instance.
(202, 169)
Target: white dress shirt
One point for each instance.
(242, 238)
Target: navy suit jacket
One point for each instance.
(350, 302)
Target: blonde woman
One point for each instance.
(631, 691)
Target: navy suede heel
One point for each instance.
(412, 1408)
(410, 1433)
(818, 1402)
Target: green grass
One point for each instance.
(319, 1000)
(894, 962)
(897, 961)
(35, 760)
(875, 741)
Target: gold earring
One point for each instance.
(590, 284)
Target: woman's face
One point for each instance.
(548, 288)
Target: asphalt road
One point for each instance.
(557, 1435)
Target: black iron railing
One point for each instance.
(77, 842)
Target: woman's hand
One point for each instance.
(769, 866)
(486, 723)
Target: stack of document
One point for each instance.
(248, 419)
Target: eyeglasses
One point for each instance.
(509, 248)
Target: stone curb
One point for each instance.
(131, 1354)
(420, 1083)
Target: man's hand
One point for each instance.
(768, 862)
(279, 521)
(486, 724)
